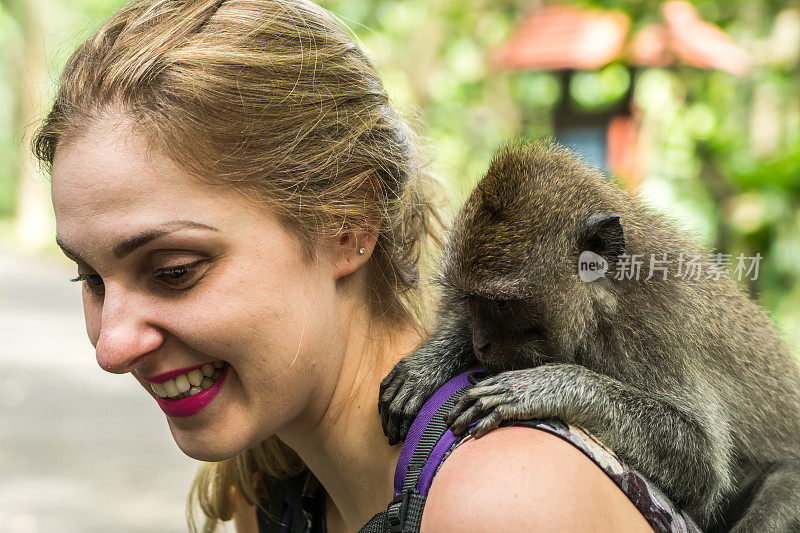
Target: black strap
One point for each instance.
(404, 515)
(376, 524)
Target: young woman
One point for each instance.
(246, 212)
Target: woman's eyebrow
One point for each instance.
(128, 245)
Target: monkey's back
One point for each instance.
(718, 333)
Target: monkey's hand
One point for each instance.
(412, 381)
(515, 394)
(682, 452)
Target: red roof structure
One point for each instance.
(567, 37)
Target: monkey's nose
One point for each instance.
(482, 348)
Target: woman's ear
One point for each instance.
(351, 251)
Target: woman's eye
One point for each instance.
(180, 275)
(176, 277)
(93, 282)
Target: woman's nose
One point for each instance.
(127, 333)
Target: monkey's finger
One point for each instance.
(395, 375)
(410, 410)
(474, 412)
(389, 424)
(387, 382)
(465, 419)
(468, 400)
(462, 404)
(391, 406)
(472, 395)
(388, 392)
(488, 387)
(487, 423)
(393, 418)
(385, 424)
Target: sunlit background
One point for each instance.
(694, 105)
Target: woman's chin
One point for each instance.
(210, 448)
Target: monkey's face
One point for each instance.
(508, 334)
(513, 255)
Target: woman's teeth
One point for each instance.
(190, 383)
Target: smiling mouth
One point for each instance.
(190, 383)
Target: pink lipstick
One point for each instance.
(193, 404)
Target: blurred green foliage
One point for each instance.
(724, 151)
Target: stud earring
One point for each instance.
(360, 250)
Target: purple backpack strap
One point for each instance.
(405, 471)
(428, 441)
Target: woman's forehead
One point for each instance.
(109, 182)
(115, 169)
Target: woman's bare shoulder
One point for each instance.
(525, 479)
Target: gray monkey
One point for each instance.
(683, 376)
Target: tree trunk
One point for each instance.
(33, 221)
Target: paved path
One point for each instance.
(81, 450)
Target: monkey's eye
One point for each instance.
(472, 303)
(504, 309)
(534, 331)
(502, 305)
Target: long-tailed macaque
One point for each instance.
(682, 376)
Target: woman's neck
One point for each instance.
(341, 440)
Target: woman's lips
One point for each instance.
(192, 404)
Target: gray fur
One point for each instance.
(685, 379)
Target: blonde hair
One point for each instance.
(274, 99)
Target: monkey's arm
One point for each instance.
(683, 453)
(444, 355)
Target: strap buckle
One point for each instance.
(397, 510)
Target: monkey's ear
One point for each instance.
(603, 235)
